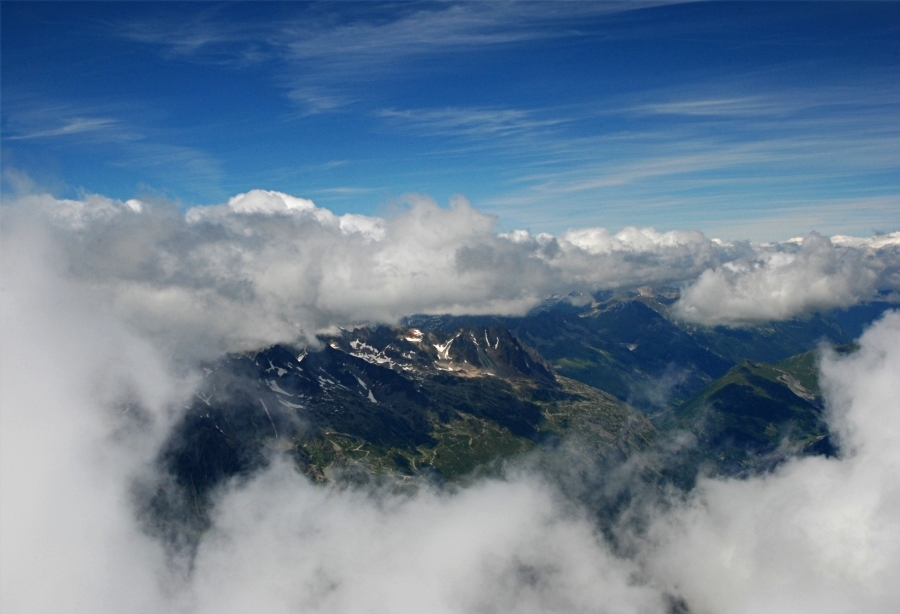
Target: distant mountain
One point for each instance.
(630, 344)
(442, 397)
(380, 402)
(756, 415)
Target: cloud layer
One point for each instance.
(277, 268)
(89, 393)
(781, 281)
(505, 546)
(818, 535)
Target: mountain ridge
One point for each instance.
(439, 398)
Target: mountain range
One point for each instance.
(443, 398)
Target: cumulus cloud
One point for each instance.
(273, 267)
(86, 402)
(780, 281)
(277, 268)
(82, 403)
(89, 393)
(502, 546)
(818, 535)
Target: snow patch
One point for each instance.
(443, 349)
(279, 370)
(276, 388)
(290, 405)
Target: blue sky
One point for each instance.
(744, 120)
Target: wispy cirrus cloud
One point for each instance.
(354, 38)
(723, 156)
(76, 125)
(740, 98)
(827, 129)
(27, 118)
(430, 97)
(713, 107)
(206, 35)
(344, 190)
(470, 122)
(313, 100)
(322, 53)
(361, 41)
(116, 129)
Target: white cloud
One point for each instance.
(819, 535)
(711, 107)
(500, 546)
(479, 123)
(277, 268)
(272, 267)
(361, 43)
(781, 281)
(69, 541)
(86, 298)
(76, 125)
(599, 241)
(877, 242)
